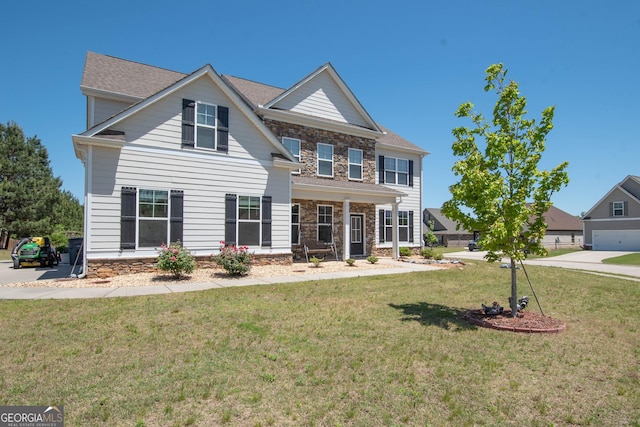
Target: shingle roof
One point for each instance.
(345, 185)
(133, 79)
(559, 220)
(107, 73)
(442, 224)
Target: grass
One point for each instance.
(384, 350)
(629, 259)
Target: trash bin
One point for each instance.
(75, 250)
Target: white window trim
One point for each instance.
(139, 218)
(355, 164)
(297, 157)
(214, 127)
(387, 226)
(297, 239)
(614, 209)
(324, 160)
(395, 171)
(244, 221)
(318, 223)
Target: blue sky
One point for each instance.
(410, 63)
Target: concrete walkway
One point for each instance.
(589, 261)
(71, 293)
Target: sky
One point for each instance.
(410, 64)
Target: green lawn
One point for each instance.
(629, 259)
(374, 351)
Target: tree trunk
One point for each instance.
(514, 290)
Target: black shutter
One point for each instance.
(188, 122)
(381, 229)
(626, 209)
(176, 216)
(128, 218)
(230, 220)
(223, 129)
(410, 223)
(610, 208)
(266, 221)
(380, 169)
(410, 173)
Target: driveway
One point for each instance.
(579, 260)
(31, 274)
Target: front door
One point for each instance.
(357, 235)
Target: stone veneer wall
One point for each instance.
(104, 268)
(309, 139)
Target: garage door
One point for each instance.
(616, 240)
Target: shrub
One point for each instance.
(404, 251)
(438, 256)
(351, 261)
(315, 261)
(236, 260)
(427, 253)
(372, 259)
(176, 259)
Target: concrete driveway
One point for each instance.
(31, 274)
(579, 260)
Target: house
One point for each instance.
(563, 229)
(613, 223)
(204, 158)
(445, 229)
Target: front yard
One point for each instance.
(385, 350)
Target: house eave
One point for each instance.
(81, 142)
(114, 96)
(316, 122)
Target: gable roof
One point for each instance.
(115, 78)
(559, 220)
(208, 71)
(442, 224)
(618, 186)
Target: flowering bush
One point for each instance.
(176, 259)
(235, 259)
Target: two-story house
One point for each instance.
(204, 158)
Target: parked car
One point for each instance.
(474, 245)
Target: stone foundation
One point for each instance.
(104, 268)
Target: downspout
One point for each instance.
(87, 181)
(346, 239)
(394, 230)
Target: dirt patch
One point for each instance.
(525, 321)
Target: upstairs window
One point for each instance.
(355, 164)
(293, 145)
(205, 126)
(396, 171)
(617, 209)
(325, 160)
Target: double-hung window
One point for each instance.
(355, 164)
(206, 125)
(293, 145)
(618, 208)
(405, 226)
(153, 218)
(325, 223)
(248, 220)
(396, 171)
(325, 160)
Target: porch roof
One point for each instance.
(307, 188)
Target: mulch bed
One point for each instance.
(525, 321)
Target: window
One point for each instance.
(325, 222)
(405, 226)
(295, 224)
(396, 171)
(618, 208)
(205, 126)
(292, 145)
(150, 218)
(355, 164)
(325, 160)
(248, 221)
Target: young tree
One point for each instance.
(28, 189)
(430, 238)
(501, 192)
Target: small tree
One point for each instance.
(430, 238)
(501, 192)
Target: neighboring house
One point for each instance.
(204, 158)
(445, 229)
(563, 229)
(614, 222)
